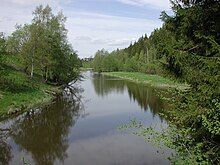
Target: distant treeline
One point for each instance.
(187, 47)
(42, 48)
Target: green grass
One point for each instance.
(21, 101)
(18, 92)
(85, 69)
(152, 80)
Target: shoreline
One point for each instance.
(152, 80)
(27, 101)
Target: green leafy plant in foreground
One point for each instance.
(186, 150)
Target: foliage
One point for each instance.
(153, 80)
(16, 89)
(186, 47)
(2, 49)
(44, 48)
(86, 62)
(139, 57)
(185, 149)
(32, 57)
(2, 44)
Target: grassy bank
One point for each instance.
(152, 80)
(85, 69)
(18, 92)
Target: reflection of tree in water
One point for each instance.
(45, 134)
(5, 149)
(145, 96)
(104, 85)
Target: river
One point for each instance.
(82, 129)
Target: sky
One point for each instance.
(92, 24)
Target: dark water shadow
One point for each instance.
(144, 95)
(43, 133)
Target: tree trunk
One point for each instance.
(32, 68)
(32, 65)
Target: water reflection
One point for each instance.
(144, 95)
(43, 133)
(105, 85)
(66, 132)
(5, 149)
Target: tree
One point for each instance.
(186, 47)
(59, 61)
(18, 38)
(44, 48)
(2, 50)
(2, 44)
(98, 64)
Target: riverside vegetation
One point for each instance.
(186, 48)
(150, 79)
(34, 60)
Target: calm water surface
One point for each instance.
(84, 131)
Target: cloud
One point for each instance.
(30, 2)
(110, 23)
(122, 42)
(107, 41)
(160, 4)
(106, 26)
(88, 30)
(14, 12)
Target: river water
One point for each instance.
(82, 129)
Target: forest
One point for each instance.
(180, 61)
(35, 59)
(187, 49)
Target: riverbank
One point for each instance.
(152, 80)
(18, 92)
(34, 94)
